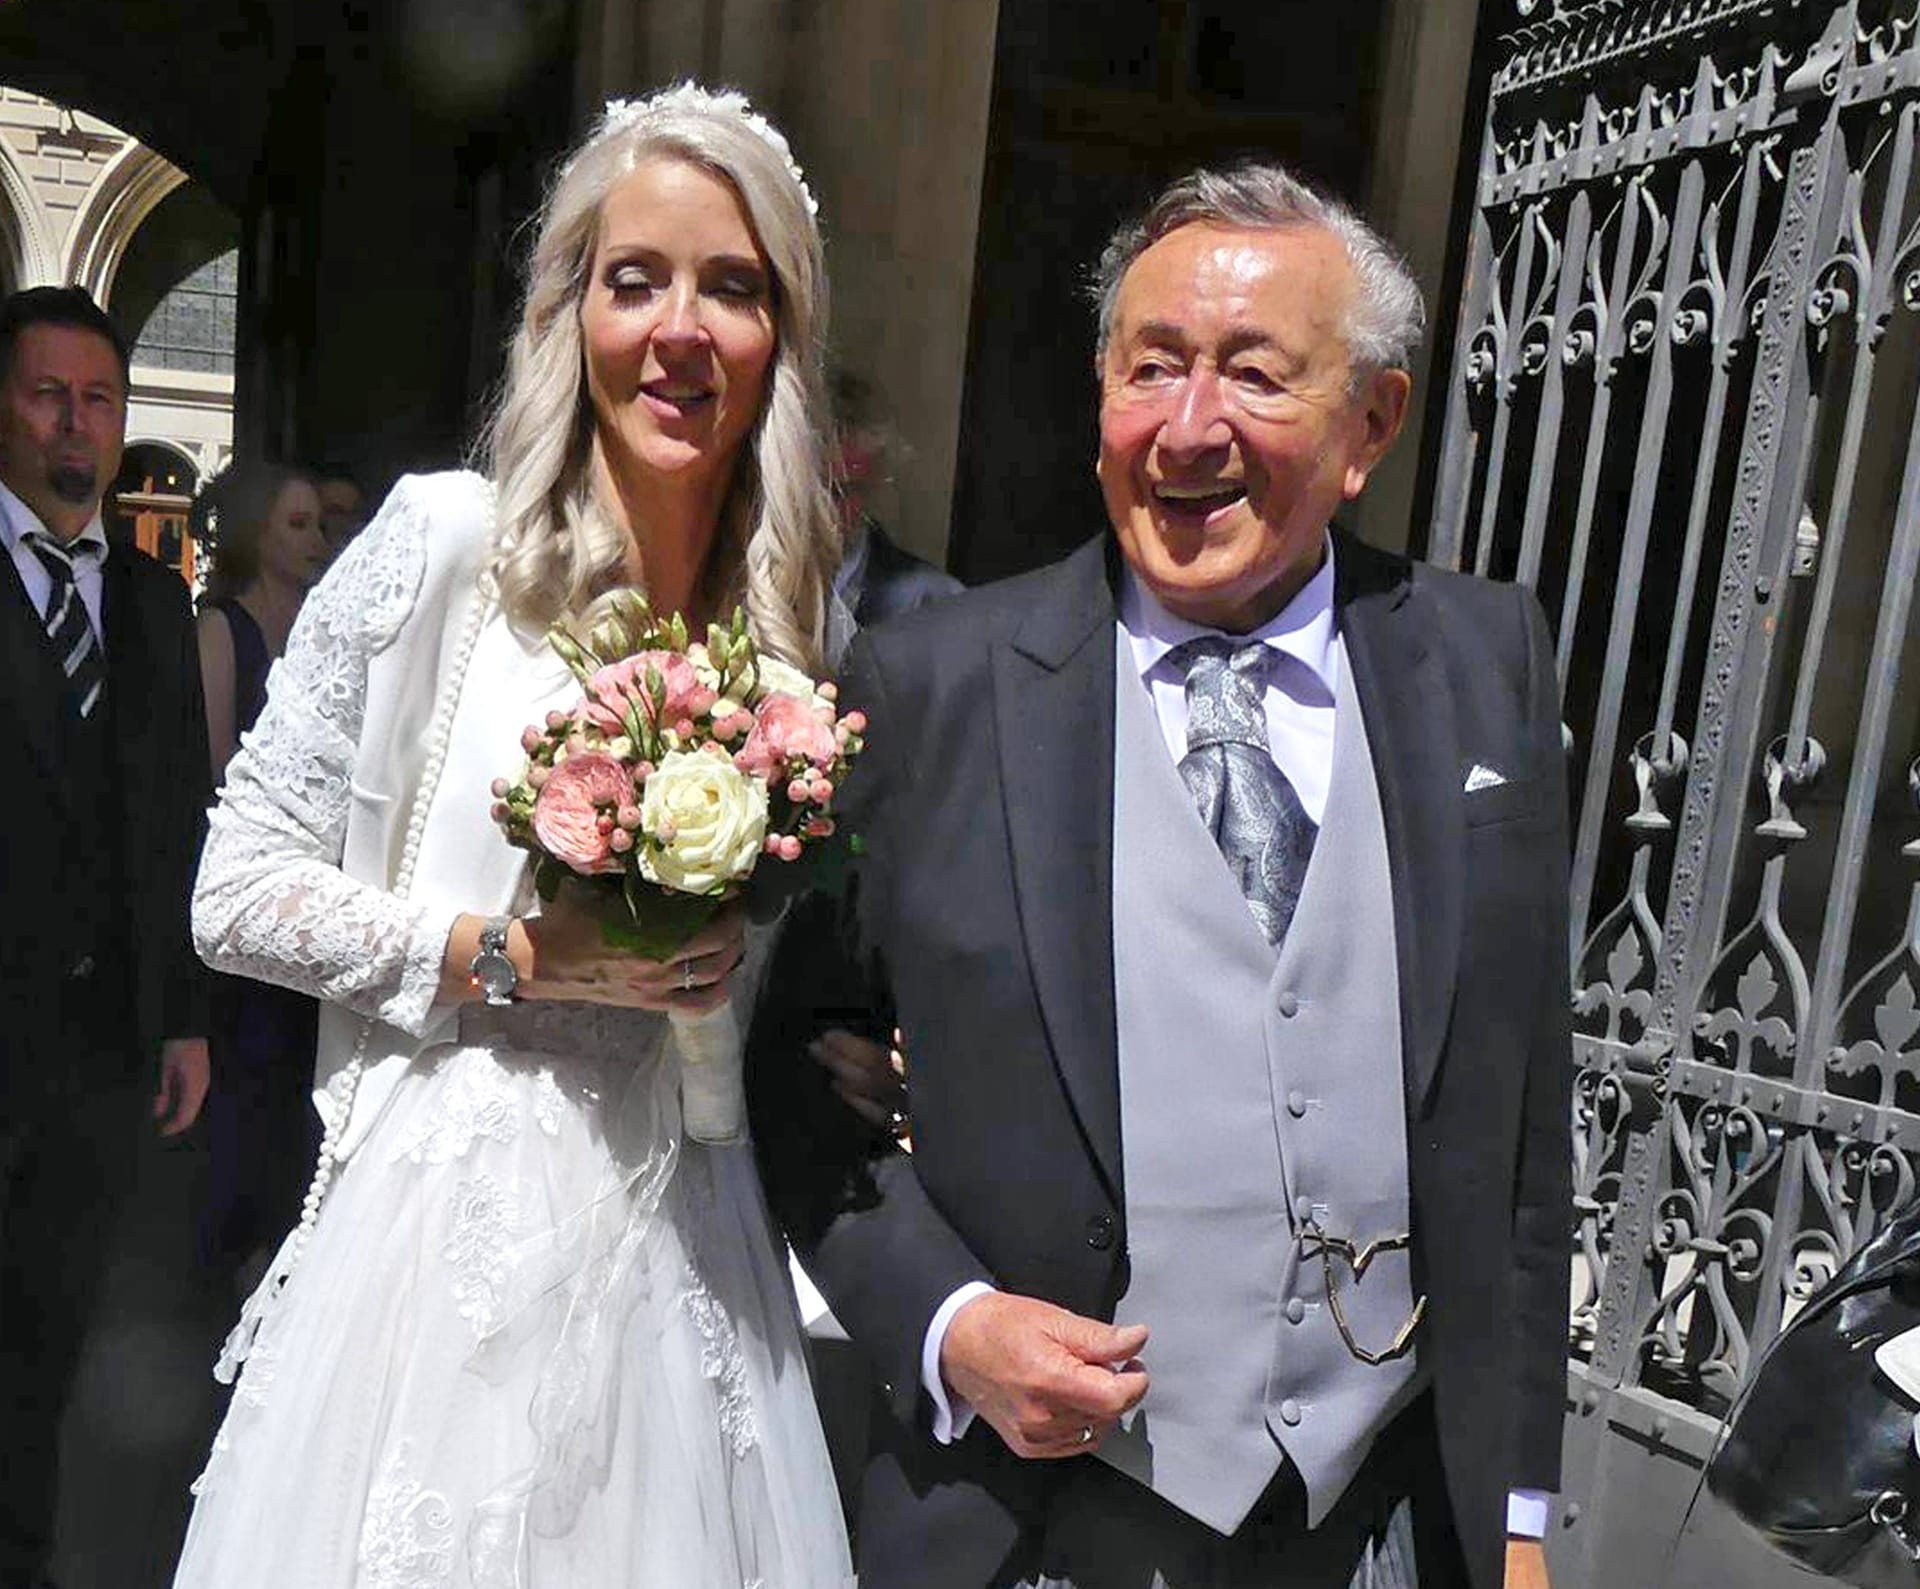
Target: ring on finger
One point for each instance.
(686, 976)
(1086, 1434)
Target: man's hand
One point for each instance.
(184, 1074)
(1050, 1382)
(1526, 1564)
(870, 1080)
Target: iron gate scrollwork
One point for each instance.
(1683, 408)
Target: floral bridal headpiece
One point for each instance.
(622, 114)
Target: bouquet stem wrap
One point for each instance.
(713, 1098)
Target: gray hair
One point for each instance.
(555, 547)
(1387, 316)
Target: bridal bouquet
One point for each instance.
(687, 775)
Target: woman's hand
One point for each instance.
(698, 978)
(561, 955)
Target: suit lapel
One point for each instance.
(1405, 694)
(1053, 715)
(129, 667)
(36, 684)
(119, 619)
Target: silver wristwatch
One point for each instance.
(492, 972)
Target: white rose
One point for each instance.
(776, 678)
(715, 819)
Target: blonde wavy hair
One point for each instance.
(556, 548)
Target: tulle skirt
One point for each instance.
(537, 1340)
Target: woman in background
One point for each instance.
(264, 522)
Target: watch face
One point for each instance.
(495, 975)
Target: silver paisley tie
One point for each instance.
(1243, 797)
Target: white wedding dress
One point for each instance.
(535, 1337)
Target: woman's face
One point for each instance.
(292, 548)
(678, 324)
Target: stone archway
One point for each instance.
(29, 252)
(125, 194)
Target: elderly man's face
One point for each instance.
(1229, 431)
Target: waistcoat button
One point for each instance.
(81, 969)
(1296, 1103)
(1303, 1208)
(1289, 1412)
(1288, 1006)
(1296, 1310)
(1100, 1232)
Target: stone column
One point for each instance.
(629, 47)
(1426, 65)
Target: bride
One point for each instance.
(526, 1333)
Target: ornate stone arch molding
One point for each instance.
(27, 236)
(122, 196)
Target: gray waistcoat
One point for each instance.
(1251, 1093)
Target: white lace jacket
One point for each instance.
(298, 880)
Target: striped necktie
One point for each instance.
(69, 627)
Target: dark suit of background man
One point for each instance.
(1217, 880)
(100, 817)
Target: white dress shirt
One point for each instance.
(1300, 682)
(17, 522)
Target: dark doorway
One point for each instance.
(1095, 106)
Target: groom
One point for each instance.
(1216, 880)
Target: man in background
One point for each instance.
(102, 1007)
(878, 578)
(343, 505)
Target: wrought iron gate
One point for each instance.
(1684, 409)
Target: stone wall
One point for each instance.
(74, 190)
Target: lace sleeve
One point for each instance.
(271, 901)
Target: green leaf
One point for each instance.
(579, 662)
(659, 922)
(635, 611)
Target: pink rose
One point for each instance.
(619, 684)
(784, 726)
(568, 810)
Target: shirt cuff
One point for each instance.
(951, 1415)
(1527, 1514)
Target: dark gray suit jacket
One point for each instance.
(985, 799)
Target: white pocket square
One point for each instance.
(1483, 777)
(1899, 1360)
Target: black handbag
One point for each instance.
(1818, 1456)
